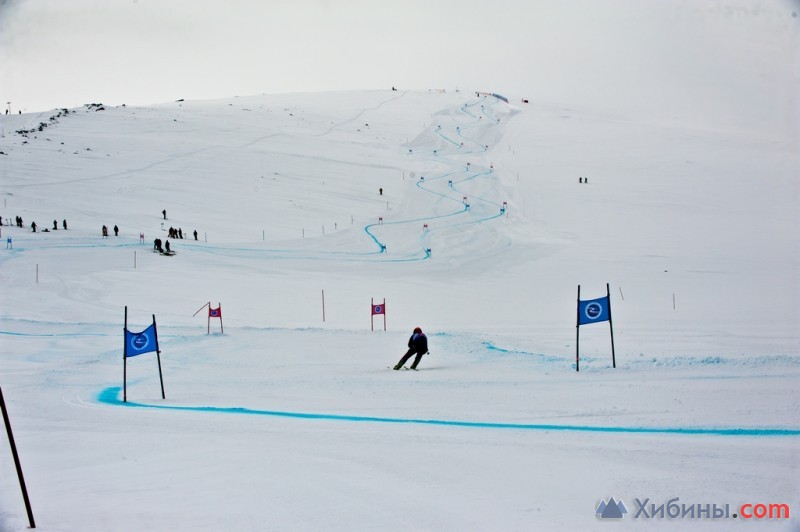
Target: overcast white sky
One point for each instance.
(637, 54)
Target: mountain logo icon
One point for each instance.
(611, 509)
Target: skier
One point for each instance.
(417, 344)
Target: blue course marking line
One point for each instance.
(278, 253)
(110, 396)
(53, 335)
(421, 185)
(448, 139)
(474, 196)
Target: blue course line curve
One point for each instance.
(367, 228)
(421, 185)
(445, 137)
(110, 396)
(278, 253)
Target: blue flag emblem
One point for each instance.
(593, 311)
(140, 343)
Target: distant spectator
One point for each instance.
(164, 212)
(33, 226)
(116, 231)
(195, 234)
(55, 225)
(64, 223)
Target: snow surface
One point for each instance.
(289, 422)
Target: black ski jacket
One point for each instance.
(419, 343)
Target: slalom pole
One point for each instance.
(611, 327)
(209, 317)
(158, 357)
(16, 460)
(125, 358)
(201, 308)
(221, 328)
(578, 332)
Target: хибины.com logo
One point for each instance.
(611, 509)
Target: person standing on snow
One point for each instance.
(417, 344)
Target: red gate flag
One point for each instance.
(215, 312)
(380, 310)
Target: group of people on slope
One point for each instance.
(18, 222)
(157, 246)
(104, 231)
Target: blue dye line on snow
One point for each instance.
(293, 254)
(110, 396)
(9, 333)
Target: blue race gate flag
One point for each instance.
(593, 311)
(140, 343)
